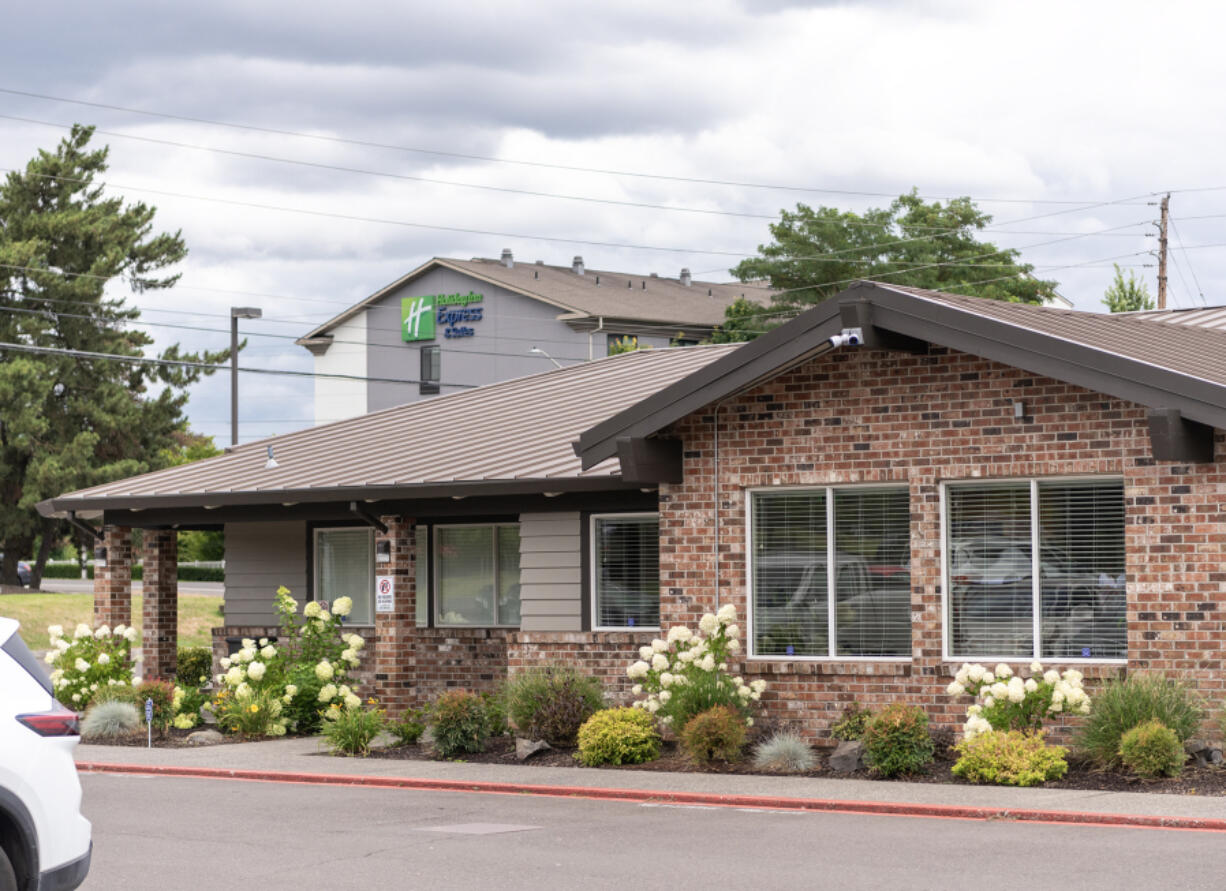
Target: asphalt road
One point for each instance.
(161, 832)
(86, 586)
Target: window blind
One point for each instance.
(872, 536)
(476, 573)
(627, 572)
(344, 560)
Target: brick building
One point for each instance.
(892, 483)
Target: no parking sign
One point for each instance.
(385, 594)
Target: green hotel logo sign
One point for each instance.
(420, 317)
(417, 318)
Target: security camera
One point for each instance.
(848, 337)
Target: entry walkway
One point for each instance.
(265, 760)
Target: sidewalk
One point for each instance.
(264, 760)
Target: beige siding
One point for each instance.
(551, 588)
(260, 557)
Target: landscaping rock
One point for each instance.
(1215, 756)
(526, 748)
(848, 757)
(204, 738)
(1195, 746)
(1202, 753)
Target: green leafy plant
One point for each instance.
(162, 694)
(256, 713)
(495, 702)
(110, 720)
(896, 741)
(718, 734)
(1152, 750)
(92, 660)
(407, 730)
(687, 672)
(1121, 705)
(618, 736)
(1009, 758)
(1007, 701)
(785, 752)
(852, 724)
(186, 706)
(350, 731)
(458, 724)
(195, 664)
(552, 703)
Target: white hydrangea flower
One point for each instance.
(659, 646)
(243, 691)
(256, 671)
(744, 692)
(637, 689)
(665, 696)
(104, 631)
(734, 645)
(638, 669)
(1031, 685)
(975, 673)
(104, 659)
(225, 662)
(652, 706)
(679, 633)
(55, 632)
(666, 679)
(707, 663)
(355, 641)
(686, 656)
(248, 643)
(659, 662)
(324, 670)
(81, 664)
(342, 606)
(955, 689)
(646, 652)
(1051, 676)
(263, 641)
(351, 656)
(246, 655)
(51, 657)
(1073, 676)
(291, 690)
(1003, 671)
(93, 686)
(76, 697)
(130, 635)
(62, 645)
(1000, 690)
(1017, 690)
(708, 623)
(988, 702)
(327, 692)
(235, 676)
(311, 610)
(749, 722)
(726, 614)
(324, 615)
(1036, 668)
(757, 686)
(353, 702)
(732, 632)
(268, 651)
(975, 709)
(83, 630)
(988, 677)
(680, 680)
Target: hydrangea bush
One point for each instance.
(1005, 701)
(88, 662)
(686, 672)
(268, 689)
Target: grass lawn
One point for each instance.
(197, 614)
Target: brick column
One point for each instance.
(395, 674)
(113, 582)
(160, 631)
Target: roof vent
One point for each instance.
(655, 275)
(576, 266)
(709, 292)
(508, 260)
(597, 279)
(271, 462)
(686, 278)
(644, 284)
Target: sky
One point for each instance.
(311, 153)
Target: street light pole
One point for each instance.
(236, 313)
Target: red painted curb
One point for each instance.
(766, 802)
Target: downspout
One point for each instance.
(715, 499)
(599, 327)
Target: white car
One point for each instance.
(44, 840)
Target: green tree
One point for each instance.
(743, 320)
(818, 252)
(196, 545)
(1127, 295)
(67, 421)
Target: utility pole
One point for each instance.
(236, 313)
(1166, 206)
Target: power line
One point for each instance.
(494, 160)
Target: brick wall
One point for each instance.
(861, 416)
(113, 582)
(160, 605)
(458, 659)
(602, 654)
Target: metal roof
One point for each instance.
(1161, 366)
(512, 436)
(595, 294)
(1204, 317)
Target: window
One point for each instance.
(431, 368)
(798, 608)
(345, 567)
(476, 575)
(1035, 569)
(626, 571)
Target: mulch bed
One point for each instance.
(171, 739)
(1193, 781)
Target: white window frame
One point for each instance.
(370, 576)
(435, 564)
(831, 577)
(593, 566)
(1035, 560)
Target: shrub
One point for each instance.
(1005, 701)
(350, 731)
(784, 752)
(458, 724)
(254, 713)
(718, 734)
(618, 736)
(896, 741)
(186, 706)
(852, 724)
(552, 703)
(110, 720)
(92, 660)
(1009, 758)
(687, 672)
(1152, 750)
(162, 693)
(195, 664)
(495, 703)
(408, 730)
(1121, 705)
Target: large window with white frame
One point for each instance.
(625, 552)
(345, 567)
(1034, 569)
(799, 607)
(476, 575)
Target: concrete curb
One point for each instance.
(646, 796)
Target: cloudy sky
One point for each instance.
(361, 131)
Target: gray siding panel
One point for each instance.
(260, 557)
(551, 589)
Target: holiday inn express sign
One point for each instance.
(421, 317)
